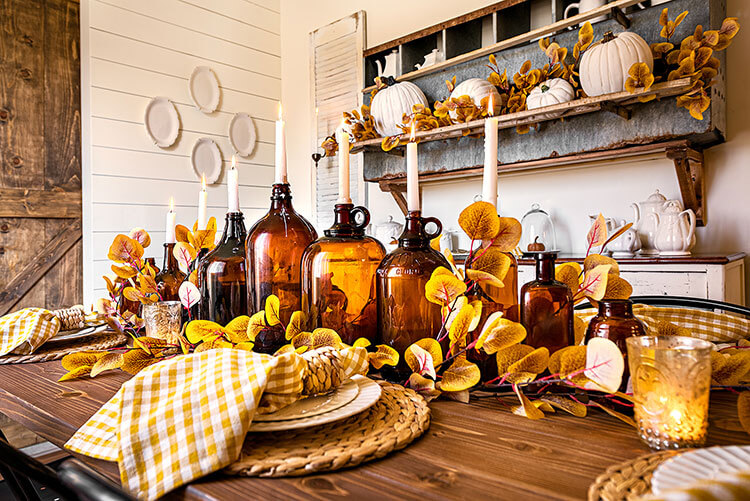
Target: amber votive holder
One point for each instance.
(671, 377)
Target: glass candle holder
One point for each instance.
(671, 378)
(163, 320)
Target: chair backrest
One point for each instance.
(691, 302)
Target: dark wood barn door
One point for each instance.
(40, 154)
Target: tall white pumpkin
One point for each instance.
(477, 89)
(389, 105)
(605, 65)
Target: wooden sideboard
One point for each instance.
(720, 277)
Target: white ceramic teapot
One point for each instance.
(675, 234)
(429, 59)
(391, 65)
(644, 224)
(626, 244)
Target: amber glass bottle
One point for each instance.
(616, 322)
(221, 274)
(404, 313)
(547, 307)
(170, 277)
(274, 249)
(338, 277)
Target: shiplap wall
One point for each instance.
(133, 50)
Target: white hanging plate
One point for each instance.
(204, 89)
(162, 122)
(206, 159)
(242, 134)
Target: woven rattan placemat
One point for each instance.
(628, 480)
(99, 341)
(398, 418)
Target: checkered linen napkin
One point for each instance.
(25, 330)
(186, 417)
(702, 324)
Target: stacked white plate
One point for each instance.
(698, 465)
(354, 396)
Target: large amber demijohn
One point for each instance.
(274, 249)
(404, 313)
(338, 277)
(221, 275)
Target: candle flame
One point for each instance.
(203, 182)
(280, 110)
(491, 105)
(171, 204)
(412, 136)
(234, 162)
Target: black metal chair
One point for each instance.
(684, 302)
(72, 480)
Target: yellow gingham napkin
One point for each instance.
(186, 417)
(25, 330)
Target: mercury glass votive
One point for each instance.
(163, 320)
(671, 378)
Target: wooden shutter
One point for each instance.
(337, 79)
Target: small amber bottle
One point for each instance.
(221, 274)
(404, 313)
(547, 307)
(338, 277)
(274, 249)
(170, 277)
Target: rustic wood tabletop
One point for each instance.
(475, 451)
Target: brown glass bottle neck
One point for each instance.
(345, 224)
(234, 227)
(616, 308)
(170, 262)
(545, 267)
(281, 198)
(414, 235)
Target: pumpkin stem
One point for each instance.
(608, 37)
(544, 88)
(389, 81)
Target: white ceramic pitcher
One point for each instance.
(585, 6)
(391, 65)
(675, 233)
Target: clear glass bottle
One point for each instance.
(547, 307)
(274, 249)
(170, 277)
(222, 274)
(338, 277)
(404, 313)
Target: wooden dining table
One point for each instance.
(471, 451)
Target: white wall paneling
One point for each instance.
(134, 50)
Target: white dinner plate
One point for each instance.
(700, 464)
(242, 134)
(162, 122)
(315, 405)
(77, 333)
(204, 89)
(369, 393)
(206, 159)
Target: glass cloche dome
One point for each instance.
(538, 232)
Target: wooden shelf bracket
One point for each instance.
(688, 164)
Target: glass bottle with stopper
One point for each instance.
(170, 277)
(274, 249)
(547, 307)
(338, 270)
(404, 313)
(222, 272)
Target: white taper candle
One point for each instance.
(171, 221)
(281, 174)
(489, 178)
(233, 189)
(412, 174)
(202, 205)
(343, 140)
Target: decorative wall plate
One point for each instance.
(315, 405)
(369, 393)
(204, 89)
(206, 159)
(700, 464)
(162, 122)
(242, 134)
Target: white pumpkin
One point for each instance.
(605, 65)
(389, 105)
(477, 89)
(549, 92)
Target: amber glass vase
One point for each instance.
(126, 304)
(616, 322)
(338, 277)
(274, 249)
(547, 307)
(221, 275)
(404, 313)
(170, 277)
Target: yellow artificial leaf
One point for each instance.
(385, 355)
(664, 328)
(150, 345)
(245, 346)
(573, 361)
(111, 287)
(664, 17)
(503, 334)
(108, 362)
(483, 278)
(135, 361)
(527, 408)
(594, 283)
(325, 337)
(443, 287)
(125, 250)
(203, 239)
(415, 358)
(543, 406)
(639, 77)
(717, 361)
(297, 324)
(566, 404)
(480, 221)
(594, 260)
(256, 325)
(535, 362)
(579, 330)
(450, 312)
(236, 329)
(141, 236)
(361, 342)
(459, 396)
(79, 372)
(617, 288)
(435, 242)
(520, 377)
(193, 278)
(203, 330)
(490, 323)
(124, 271)
(510, 355)
(73, 361)
(585, 35)
(569, 274)
(614, 413)
(420, 360)
(181, 233)
(493, 261)
(477, 305)
(461, 375)
(743, 410)
(184, 254)
(604, 365)
(459, 329)
(597, 234)
(273, 306)
(508, 234)
(734, 368)
(424, 386)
